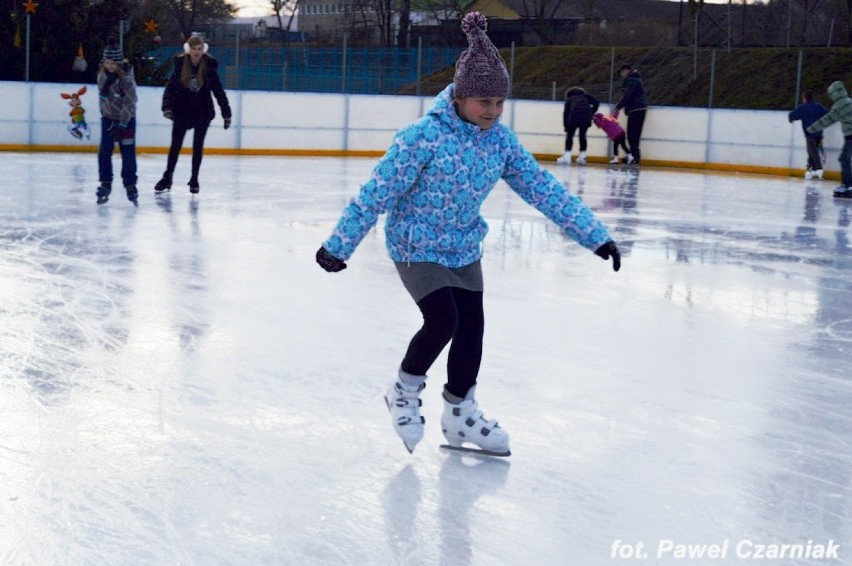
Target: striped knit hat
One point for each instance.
(112, 51)
(480, 71)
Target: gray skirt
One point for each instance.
(421, 278)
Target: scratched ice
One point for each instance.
(181, 384)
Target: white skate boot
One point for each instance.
(809, 173)
(464, 422)
(614, 160)
(565, 159)
(581, 160)
(818, 174)
(404, 404)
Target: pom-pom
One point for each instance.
(472, 21)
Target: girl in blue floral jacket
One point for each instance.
(432, 182)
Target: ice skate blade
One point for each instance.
(476, 451)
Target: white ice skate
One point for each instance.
(629, 159)
(818, 174)
(565, 159)
(809, 174)
(614, 160)
(464, 423)
(404, 405)
(581, 160)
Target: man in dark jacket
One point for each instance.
(809, 112)
(633, 102)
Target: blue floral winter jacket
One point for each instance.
(433, 180)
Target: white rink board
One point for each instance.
(34, 114)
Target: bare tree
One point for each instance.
(848, 21)
(587, 9)
(374, 14)
(190, 14)
(542, 13)
(404, 23)
(289, 7)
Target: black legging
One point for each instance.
(453, 314)
(569, 136)
(179, 130)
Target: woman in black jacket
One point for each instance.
(187, 102)
(580, 106)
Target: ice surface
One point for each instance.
(181, 384)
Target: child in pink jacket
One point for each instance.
(615, 132)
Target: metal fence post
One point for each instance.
(343, 67)
(419, 62)
(695, 51)
(611, 72)
(799, 78)
(237, 56)
(511, 70)
(712, 79)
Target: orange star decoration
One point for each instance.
(150, 26)
(30, 6)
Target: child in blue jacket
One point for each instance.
(432, 182)
(809, 111)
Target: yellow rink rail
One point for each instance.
(544, 157)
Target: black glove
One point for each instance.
(329, 262)
(227, 123)
(607, 250)
(168, 114)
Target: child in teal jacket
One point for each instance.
(432, 182)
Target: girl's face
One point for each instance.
(481, 111)
(195, 53)
(110, 65)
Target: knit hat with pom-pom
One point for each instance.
(480, 71)
(112, 51)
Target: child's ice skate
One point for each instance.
(581, 160)
(404, 404)
(809, 173)
(132, 194)
(464, 423)
(842, 192)
(818, 173)
(565, 159)
(164, 184)
(614, 160)
(103, 192)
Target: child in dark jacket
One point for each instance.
(841, 111)
(432, 182)
(187, 102)
(809, 112)
(117, 98)
(615, 132)
(577, 115)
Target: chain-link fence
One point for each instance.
(754, 78)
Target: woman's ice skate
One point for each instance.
(464, 423)
(404, 405)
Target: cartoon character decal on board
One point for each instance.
(78, 127)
